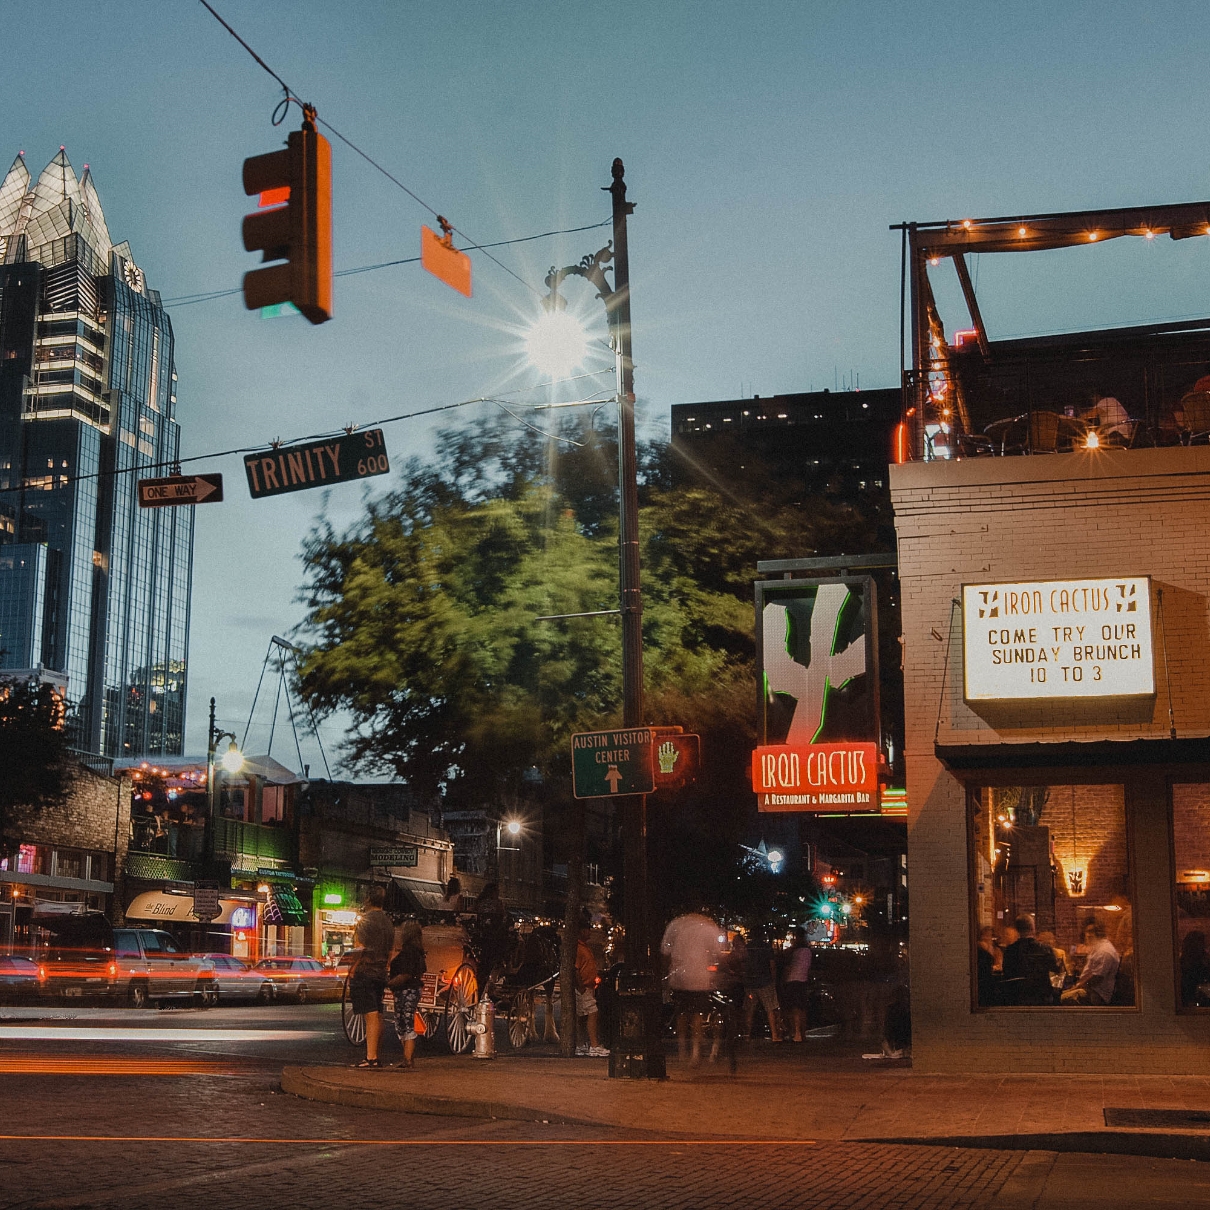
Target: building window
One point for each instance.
(1052, 907)
(1191, 851)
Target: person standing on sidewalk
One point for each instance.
(374, 938)
(587, 978)
(406, 978)
(760, 987)
(693, 945)
(798, 971)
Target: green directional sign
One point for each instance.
(291, 468)
(606, 764)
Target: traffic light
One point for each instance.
(297, 183)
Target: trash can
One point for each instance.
(636, 1048)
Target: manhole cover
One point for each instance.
(1158, 1119)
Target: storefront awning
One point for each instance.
(424, 896)
(1092, 753)
(158, 905)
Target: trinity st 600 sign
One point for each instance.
(1058, 639)
(293, 468)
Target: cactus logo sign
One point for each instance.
(819, 696)
(1057, 639)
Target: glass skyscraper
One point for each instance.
(94, 591)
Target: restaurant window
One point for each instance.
(1053, 915)
(1191, 851)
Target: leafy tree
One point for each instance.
(422, 623)
(33, 749)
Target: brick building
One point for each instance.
(69, 854)
(1032, 790)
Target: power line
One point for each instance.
(185, 300)
(175, 463)
(290, 96)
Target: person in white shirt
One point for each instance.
(1096, 982)
(1108, 414)
(693, 945)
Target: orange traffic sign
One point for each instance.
(443, 260)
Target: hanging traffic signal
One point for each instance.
(297, 184)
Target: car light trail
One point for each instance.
(91, 1065)
(91, 1033)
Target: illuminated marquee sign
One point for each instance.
(816, 641)
(817, 777)
(1057, 639)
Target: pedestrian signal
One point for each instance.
(296, 186)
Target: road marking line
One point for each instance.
(420, 1142)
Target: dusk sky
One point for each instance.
(767, 146)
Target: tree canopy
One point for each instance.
(33, 749)
(423, 617)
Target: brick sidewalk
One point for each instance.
(774, 1096)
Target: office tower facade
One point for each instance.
(94, 591)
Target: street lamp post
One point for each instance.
(232, 762)
(633, 807)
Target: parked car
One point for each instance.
(236, 980)
(301, 979)
(88, 957)
(18, 979)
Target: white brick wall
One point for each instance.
(1082, 515)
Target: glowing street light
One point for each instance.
(233, 759)
(556, 345)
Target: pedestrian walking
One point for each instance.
(405, 979)
(794, 986)
(693, 945)
(760, 982)
(374, 938)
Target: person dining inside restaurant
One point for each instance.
(1028, 966)
(1099, 974)
(1107, 414)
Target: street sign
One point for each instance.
(606, 764)
(180, 489)
(206, 906)
(407, 855)
(292, 468)
(676, 759)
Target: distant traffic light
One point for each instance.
(297, 183)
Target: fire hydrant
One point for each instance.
(484, 1029)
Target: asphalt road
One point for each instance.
(181, 1108)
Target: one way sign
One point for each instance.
(180, 489)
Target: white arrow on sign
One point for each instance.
(613, 777)
(180, 489)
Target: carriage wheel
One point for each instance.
(545, 1000)
(460, 1000)
(354, 1023)
(520, 1019)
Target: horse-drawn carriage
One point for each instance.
(522, 983)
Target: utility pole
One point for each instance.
(634, 808)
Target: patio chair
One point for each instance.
(1196, 406)
(1044, 432)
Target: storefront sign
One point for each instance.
(243, 918)
(404, 855)
(819, 709)
(816, 777)
(1058, 639)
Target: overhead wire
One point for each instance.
(290, 96)
(214, 455)
(186, 300)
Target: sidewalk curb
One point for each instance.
(1160, 1145)
(306, 1083)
